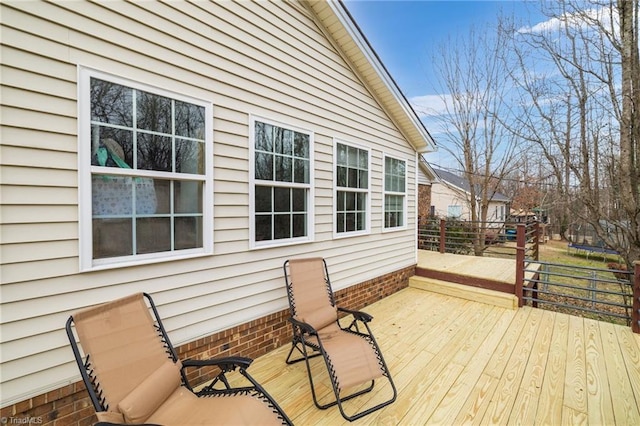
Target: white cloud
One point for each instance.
(579, 19)
(430, 105)
(549, 25)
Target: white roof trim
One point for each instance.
(341, 12)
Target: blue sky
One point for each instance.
(405, 34)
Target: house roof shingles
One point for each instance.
(462, 184)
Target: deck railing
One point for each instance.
(635, 310)
(602, 294)
(612, 293)
(493, 239)
(590, 292)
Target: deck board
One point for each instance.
(625, 406)
(631, 354)
(456, 361)
(498, 269)
(575, 384)
(600, 409)
(551, 398)
(526, 403)
(502, 404)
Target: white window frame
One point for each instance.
(253, 182)
(336, 188)
(85, 171)
(404, 194)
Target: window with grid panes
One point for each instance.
(281, 183)
(146, 152)
(352, 189)
(395, 193)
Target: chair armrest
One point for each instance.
(225, 363)
(307, 328)
(358, 315)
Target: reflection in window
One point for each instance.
(394, 193)
(352, 188)
(138, 213)
(282, 176)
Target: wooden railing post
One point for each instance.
(521, 242)
(536, 241)
(635, 313)
(443, 224)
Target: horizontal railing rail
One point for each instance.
(492, 239)
(602, 294)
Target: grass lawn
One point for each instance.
(586, 283)
(557, 252)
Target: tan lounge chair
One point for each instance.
(133, 375)
(352, 356)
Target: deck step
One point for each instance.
(490, 297)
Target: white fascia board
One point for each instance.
(339, 9)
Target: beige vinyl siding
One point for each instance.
(492, 216)
(331, 16)
(423, 177)
(443, 196)
(268, 59)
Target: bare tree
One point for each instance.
(581, 111)
(630, 123)
(473, 86)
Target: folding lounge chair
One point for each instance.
(133, 375)
(352, 356)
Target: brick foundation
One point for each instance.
(70, 405)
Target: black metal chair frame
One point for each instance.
(225, 364)
(303, 331)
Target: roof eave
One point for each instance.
(374, 74)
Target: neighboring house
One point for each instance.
(426, 178)
(450, 197)
(187, 150)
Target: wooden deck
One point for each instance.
(490, 268)
(483, 272)
(456, 361)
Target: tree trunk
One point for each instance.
(629, 125)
